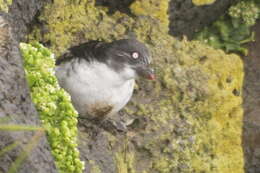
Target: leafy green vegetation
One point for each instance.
(53, 104)
(232, 30)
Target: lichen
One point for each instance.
(4, 5)
(153, 8)
(54, 107)
(192, 112)
(203, 116)
(78, 22)
(202, 2)
(81, 21)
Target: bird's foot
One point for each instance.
(112, 125)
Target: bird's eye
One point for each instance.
(135, 55)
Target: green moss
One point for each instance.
(54, 107)
(4, 5)
(232, 30)
(193, 110)
(202, 2)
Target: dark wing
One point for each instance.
(85, 51)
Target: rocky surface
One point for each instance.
(30, 152)
(23, 14)
(16, 108)
(251, 100)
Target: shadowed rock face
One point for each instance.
(116, 5)
(186, 18)
(24, 13)
(251, 97)
(15, 103)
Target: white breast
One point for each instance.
(94, 87)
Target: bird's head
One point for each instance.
(130, 57)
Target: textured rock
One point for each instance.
(251, 97)
(16, 108)
(187, 18)
(188, 120)
(23, 14)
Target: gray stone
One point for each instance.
(15, 103)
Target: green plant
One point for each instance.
(53, 104)
(232, 30)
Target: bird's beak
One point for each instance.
(146, 72)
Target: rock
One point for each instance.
(251, 102)
(16, 108)
(24, 13)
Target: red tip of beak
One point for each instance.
(151, 77)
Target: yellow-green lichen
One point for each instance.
(203, 2)
(199, 101)
(4, 5)
(153, 8)
(77, 22)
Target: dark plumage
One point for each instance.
(87, 51)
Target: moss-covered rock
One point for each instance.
(188, 120)
(154, 8)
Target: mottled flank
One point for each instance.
(189, 119)
(100, 110)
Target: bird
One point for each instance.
(100, 76)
